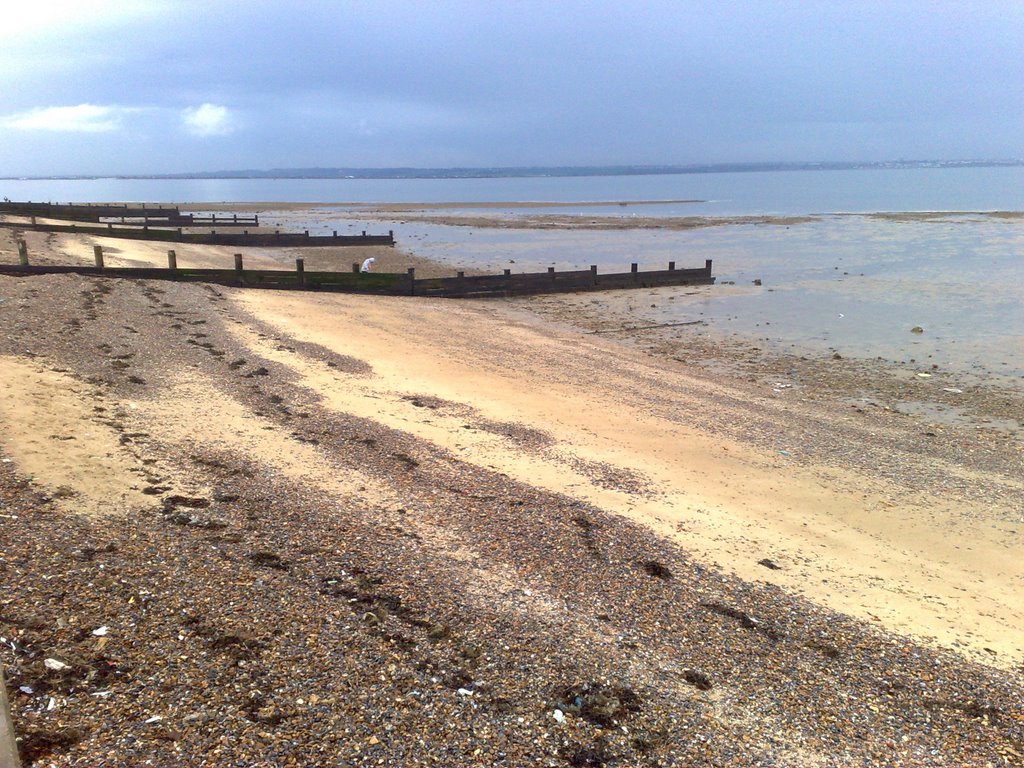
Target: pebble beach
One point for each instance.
(254, 529)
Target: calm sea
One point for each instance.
(852, 284)
(776, 192)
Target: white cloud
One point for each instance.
(208, 120)
(83, 118)
(51, 18)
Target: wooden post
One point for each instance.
(23, 253)
(335, 234)
(300, 268)
(33, 222)
(97, 252)
(355, 267)
(256, 219)
(412, 281)
(172, 260)
(460, 275)
(8, 744)
(632, 268)
(593, 273)
(707, 267)
(671, 266)
(364, 233)
(508, 273)
(238, 268)
(551, 271)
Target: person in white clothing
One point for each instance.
(367, 265)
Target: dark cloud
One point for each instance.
(472, 83)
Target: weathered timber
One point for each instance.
(174, 220)
(478, 286)
(168, 216)
(250, 239)
(87, 210)
(382, 283)
(461, 286)
(191, 220)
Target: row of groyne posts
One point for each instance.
(166, 223)
(159, 215)
(97, 252)
(172, 262)
(356, 281)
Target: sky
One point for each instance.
(106, 87)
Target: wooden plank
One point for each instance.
(213, 238)
(59, 211)
(391, 283)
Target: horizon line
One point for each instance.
(485, 171)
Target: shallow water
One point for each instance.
(723, 194)
(856, 285)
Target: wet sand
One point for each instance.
(885, 545)
(440, 213)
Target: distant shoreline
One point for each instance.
(536, 171)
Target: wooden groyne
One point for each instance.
(166, 223)
(179, 235)
(553, 281)
(384, 283)
(169, 216)
(87, 211)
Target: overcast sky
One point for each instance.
(96, 87)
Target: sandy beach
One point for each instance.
(330, 529)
